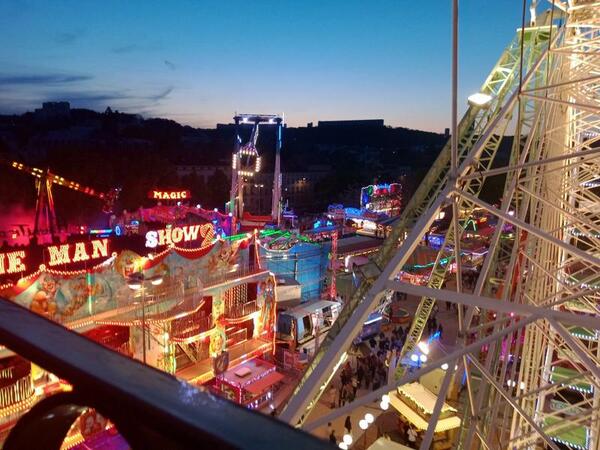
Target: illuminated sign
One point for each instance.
(175, 235)
(169, 195)
(19, 261)
(77, 252)
(12, 262)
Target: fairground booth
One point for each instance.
(177, 297)
(415, 403)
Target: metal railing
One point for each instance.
(245, 309)
(151, 409)
(193, 324)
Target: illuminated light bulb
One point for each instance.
(384, 406)
(385, 398)
(444, 366)
(347, 439)
(479, 99)
(363, 424)
(414, 357)
(423, 358)
(423, 347)
(369, 418)
(343, 446)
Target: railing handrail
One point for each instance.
(133, 395)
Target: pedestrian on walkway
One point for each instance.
(332, 437)
(342, 396)
(376, 382)
(360, 374)
(332, 396)
(368, 379)
(440, 330)
(348, 425)
(354, 386)
(412, 437)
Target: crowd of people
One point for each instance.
(368, 369)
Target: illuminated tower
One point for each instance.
(529, 332)
(246, 161)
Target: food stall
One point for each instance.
(251, 383)
(415, 403)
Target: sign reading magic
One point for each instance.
(175, 235)
(23, 261)
(169, 195)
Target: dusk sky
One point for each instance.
(198, 62)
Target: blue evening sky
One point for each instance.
(198, 62)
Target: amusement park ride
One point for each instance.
(45, 214)
(246, 162)
(533, 312)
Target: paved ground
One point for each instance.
(386, 423)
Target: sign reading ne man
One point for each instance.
(174, 235)
(169, 195)
(77, 252)
(14, 262)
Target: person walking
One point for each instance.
(332, 437)
(412, 437)
(342, 396)
(348, 425)
(332, 396)
(360, 374)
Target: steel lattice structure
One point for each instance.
(544, 307)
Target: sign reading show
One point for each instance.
(175, 235)
(169, 195)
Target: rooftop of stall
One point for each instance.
(289, 291)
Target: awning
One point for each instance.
(386, 444)
(259, 386)
(415, 419)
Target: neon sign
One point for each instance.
(169, 195)
(12, 262)
(54, 255)
(175, 235)
(77, 252)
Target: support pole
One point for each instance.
(276, 200)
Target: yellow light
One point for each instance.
(479, 99)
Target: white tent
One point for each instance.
(387, 444)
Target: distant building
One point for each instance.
(53, 110)
(296, 187)
(202, 171)
(371, 123)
